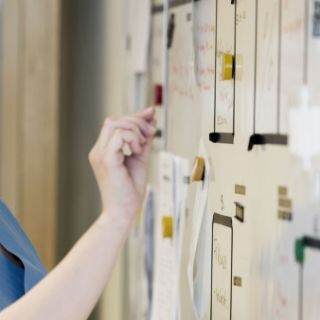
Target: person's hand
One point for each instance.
(122, 179)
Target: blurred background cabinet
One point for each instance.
(57, 85)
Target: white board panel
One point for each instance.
(279, 199)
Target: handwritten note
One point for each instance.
(204, 31)
(182, 85)
(267, 67)
(163, 305)
(139, 26)
(224, 88)
(172, 199)
(221, 298)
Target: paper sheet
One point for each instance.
(141, 254)
(138, 291)
(165, 273)
(180, 189)
(149, 244)
(139, 25)
(172, 196)
(221, 272)
(304, 129)
(180, 197)
(311, 285)
(199, 257)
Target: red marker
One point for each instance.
(158, 94)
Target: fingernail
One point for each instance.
(152, 129)
(149, 109)
(152, 109)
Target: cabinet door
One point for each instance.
(29, 117)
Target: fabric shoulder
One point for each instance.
(14, 239)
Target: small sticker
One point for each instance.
(283, 191)
(285, 215)
(237, 281)
(240, 189)
(239, 212)
(285, 203)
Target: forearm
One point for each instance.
(73, 288)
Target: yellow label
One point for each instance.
(227, 66)
(198, 169)
(167, 226)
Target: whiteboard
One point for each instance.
(279, 198)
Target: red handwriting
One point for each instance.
(204, 46)
(182, 91)
(205, 28)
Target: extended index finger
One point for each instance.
(147, 114)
